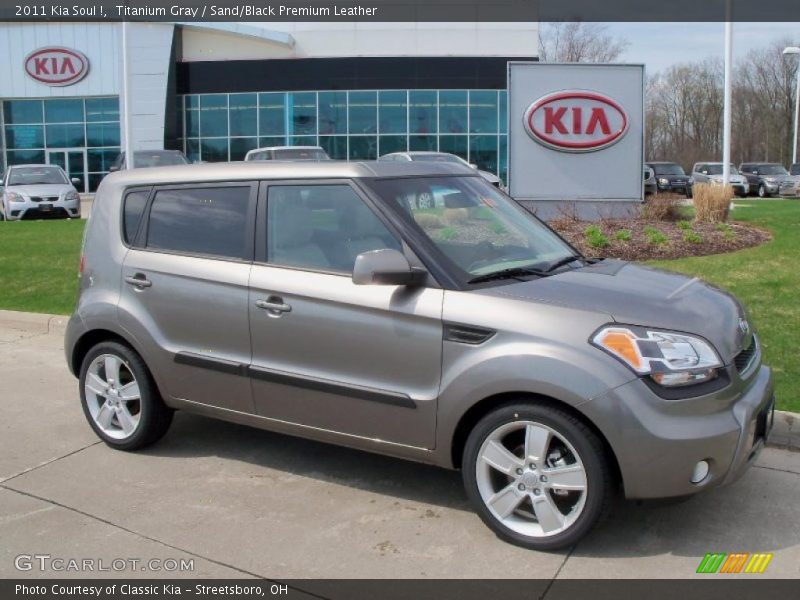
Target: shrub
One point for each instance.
(448, 233)
(428, 220)
(498, 228)
(662, 207)
(455, 215)
(482, 213)
(712, 202)
(594, 237)
(654, 236)
(622, 235)
(692, 237)
(684, 225)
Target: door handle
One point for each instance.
(274, 305)
(139, 281)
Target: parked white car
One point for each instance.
(423, 156)
(37, 192)
(711, 172)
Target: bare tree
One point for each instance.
(579, 42)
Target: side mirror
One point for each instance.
(385, 267)
(113, 168)
(77, 182)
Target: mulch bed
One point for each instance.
(640, 248)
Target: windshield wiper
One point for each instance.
(512, 273)
(561, 262)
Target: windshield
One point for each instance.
(158, 159)
(36, 176)
(477, 228)
(448, 158)
(717, 170)
(772, 170)
(669, 169)
(301, 154)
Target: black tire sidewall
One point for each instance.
(150, 400)
(585, 442)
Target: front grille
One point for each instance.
(44, 198)
(745, 359)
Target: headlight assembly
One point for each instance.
(663, 181)
(14, 197)
(70, 196)
(670, 359)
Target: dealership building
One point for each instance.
(217, 90)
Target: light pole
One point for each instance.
(795, 50)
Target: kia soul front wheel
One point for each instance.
(537, 476)
(120, 398)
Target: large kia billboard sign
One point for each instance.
(576, 121)
(56, 66)
(576, 135)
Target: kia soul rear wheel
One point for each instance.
(537, 476)
(120, 399)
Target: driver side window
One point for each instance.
(322, 227)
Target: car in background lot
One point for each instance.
(288, 153)
(650, 185)
(768, 179)
(670, 177)
(470, 336)
(446, 157)
(37, 192)
(143, 159)
(711, 172)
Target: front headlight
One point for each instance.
(14, 197)
(70, 196)
(670, 359)
(691, 180)
(663, 181)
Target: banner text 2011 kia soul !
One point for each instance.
(414, 310)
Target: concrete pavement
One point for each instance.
(243, 503)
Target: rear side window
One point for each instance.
(135, 203)
(207, 220)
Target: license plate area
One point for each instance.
(45, 207)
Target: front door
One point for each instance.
(362, 360)
(73, 161)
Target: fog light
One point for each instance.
(700, 472)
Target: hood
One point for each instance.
(674, 178)
(636, 295)
(733, 178)
(42, 189)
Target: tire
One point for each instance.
(762, 191)
(123, 416)
(578, 446)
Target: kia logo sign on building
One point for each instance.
(576, 121)
(56, 66)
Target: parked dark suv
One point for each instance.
(767, 179)
(670, 177)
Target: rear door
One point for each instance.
(354, 359)
(184, 291)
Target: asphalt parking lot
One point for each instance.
(247, 503)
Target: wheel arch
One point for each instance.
(89, 340)
(483, 407)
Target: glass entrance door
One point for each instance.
(73, 161)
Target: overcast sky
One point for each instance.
(660, 45)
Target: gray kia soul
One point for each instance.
(414, 310)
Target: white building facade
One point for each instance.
(217, 90)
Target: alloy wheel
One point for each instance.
(113, 396)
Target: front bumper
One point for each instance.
(16, 211)
(658, 442)
(684, 188)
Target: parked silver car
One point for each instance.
(38, 191)
(711, 172)
(425, 156)
(287, 153)
(314, 299)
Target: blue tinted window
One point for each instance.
(100, 159)
(363, 147)
(272, 114)
(392, 143)
(332, 113)
(422, 112)
(334, 145)
(22, 111)
(302, 113)
(244, 114)
(502, 110)
(363, 113)
(483, 112)
(483, 152)
(452, 111)
(392, 111)
(63, 111)
(22, 157)
(241, 146)
(215, 150)
(214, 116)
(24, 136)
(454, 144)
(102, 109)
(102, 134)
(65, 136)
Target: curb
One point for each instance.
(785, 430)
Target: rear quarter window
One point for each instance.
(133, 209)
(208, 221)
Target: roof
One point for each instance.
(253, 170)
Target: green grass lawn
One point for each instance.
(767, 280)
(39, 265)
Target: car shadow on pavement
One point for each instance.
(750, 515)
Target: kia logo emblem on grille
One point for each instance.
(744, 326)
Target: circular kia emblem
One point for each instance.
(56, 66)
(576, 121)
